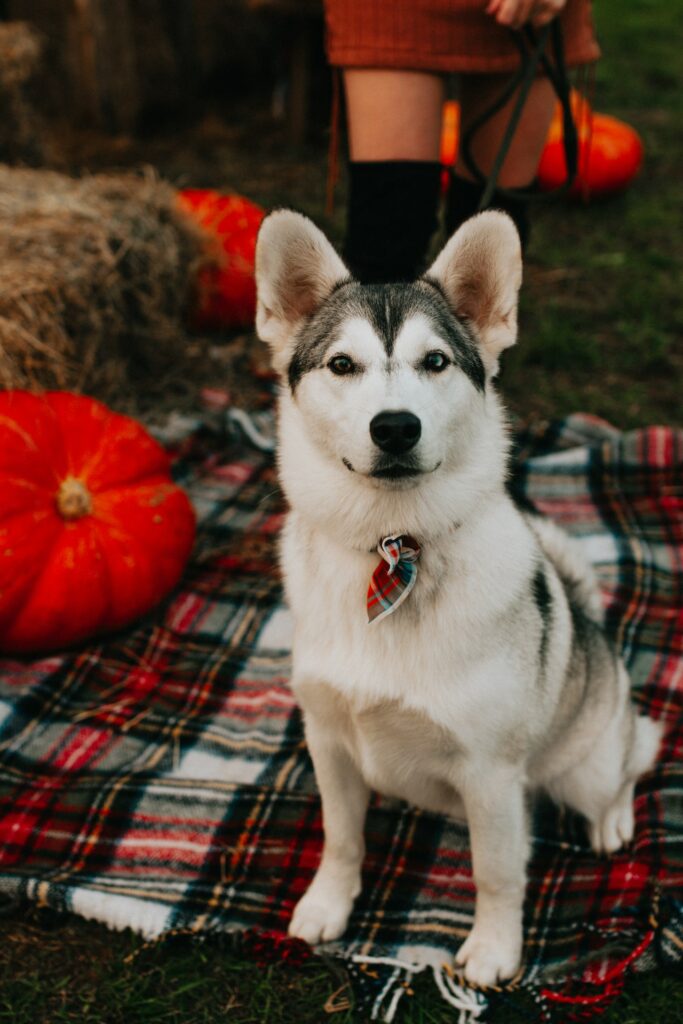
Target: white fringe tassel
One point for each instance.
(260, 430)
(470, 1003)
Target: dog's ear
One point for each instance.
(480, 270)
(296, 268)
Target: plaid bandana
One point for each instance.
(394, 577)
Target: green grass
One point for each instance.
(57, 969)
(601, 322)
(602, 315)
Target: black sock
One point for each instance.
(463, 201)
(391, 217)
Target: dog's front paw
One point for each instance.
(319, 920)
(488, 956)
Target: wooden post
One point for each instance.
(180, 20)
(299, 82)
(102, 63)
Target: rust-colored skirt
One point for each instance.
(439, 35)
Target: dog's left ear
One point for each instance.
(480, 270)
(296, 268)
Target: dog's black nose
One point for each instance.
(395, 432)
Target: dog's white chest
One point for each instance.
(400, 752)
(435, 654)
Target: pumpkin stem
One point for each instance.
(73, 499)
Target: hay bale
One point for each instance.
(94, 277)
(22, 129)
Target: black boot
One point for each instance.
(463, 201)
(391, 217)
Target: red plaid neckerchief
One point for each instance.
(394, 577)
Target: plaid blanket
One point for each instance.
(159, 779)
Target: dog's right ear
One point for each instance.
(296, 268)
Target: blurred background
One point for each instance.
(235, 95)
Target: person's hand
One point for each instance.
(515, 13)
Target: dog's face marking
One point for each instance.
(386, 308)
(386, 384)
(382, 375)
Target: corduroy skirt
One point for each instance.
(440, 36)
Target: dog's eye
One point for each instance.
(341, 365)
(435, 362)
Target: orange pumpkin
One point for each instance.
(225, 287)
(93, 531)
(610, 154)
(610, 151)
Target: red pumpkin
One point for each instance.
(93, 531)
(610, 154)
(226, 291)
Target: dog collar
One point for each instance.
(394, 577)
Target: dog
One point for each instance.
(448, 646)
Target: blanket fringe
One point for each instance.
(257, 427)
(470, 1003)
(379, 983)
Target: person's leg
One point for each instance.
(477, 93)
(393, 115)
(394, 124)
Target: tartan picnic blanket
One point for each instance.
(158, 779)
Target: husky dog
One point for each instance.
(489, 675)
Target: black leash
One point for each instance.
(532, 47)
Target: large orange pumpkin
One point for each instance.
(93, 531)
(225, 287)
(609, 157)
